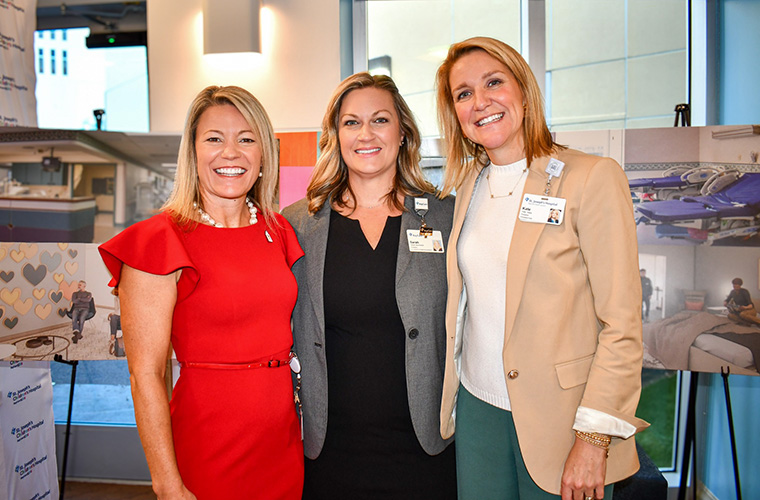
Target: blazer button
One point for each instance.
(513, 374)
(414, 333)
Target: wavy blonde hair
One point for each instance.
(463, 154)
(329, 182)
(186, 185)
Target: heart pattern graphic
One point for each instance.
(2, 311)
(71, 267)
(68, 288)
(8, 296)
(43, 311)
(51, 261)
(10, 322)
(62, 312)
(55, 296)
(23, 306)
(73, 253)
(58, 277)
(17, 255)
(63, 246)
(29, 249)
(38, 293)
(34, 275)
(3, 253)
(7, 276)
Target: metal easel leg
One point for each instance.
(73, 365)
(725, 375)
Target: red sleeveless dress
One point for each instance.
(236, 432)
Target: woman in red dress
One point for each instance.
(210, 276)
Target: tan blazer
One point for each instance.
(573, 316)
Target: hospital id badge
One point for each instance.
(421, 243)
(542, 209)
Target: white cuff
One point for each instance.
(590, 420)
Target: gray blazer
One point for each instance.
(421, 297)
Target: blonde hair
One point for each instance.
(463, 154)
(329, 182)
(186, 190)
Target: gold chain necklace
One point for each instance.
(488, 179)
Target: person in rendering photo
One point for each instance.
(114, 318)
(210, 278)
(369, 321)
(646, 293)
(80, 308)
(739, 304)
(544, 351)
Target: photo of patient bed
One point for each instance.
(728, 208)
(702, 341)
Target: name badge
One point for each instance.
(420, 204)
(542, 209)
(422, 243)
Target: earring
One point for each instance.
(261, 174)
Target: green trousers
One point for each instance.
(489, 463)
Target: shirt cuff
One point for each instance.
(590, 420)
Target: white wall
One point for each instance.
(293, 78)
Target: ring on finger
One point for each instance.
(588, 497)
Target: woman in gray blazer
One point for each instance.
(369, 321)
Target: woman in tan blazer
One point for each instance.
(543, 320)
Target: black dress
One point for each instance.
(370, 450)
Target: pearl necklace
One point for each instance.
(206, 218)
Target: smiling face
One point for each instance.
(489, 106)
(369, 133)
(228, 155)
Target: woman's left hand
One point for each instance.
(584, 472)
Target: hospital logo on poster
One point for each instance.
(24, 470)
(23, 432)
(19, 396)
(10, 4)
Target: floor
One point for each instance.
(105, 491)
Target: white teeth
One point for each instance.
(367, 151)
(489, 119)
(230, 171)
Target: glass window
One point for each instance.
(102, 393)
(40, 61)
(52, 61)
(63, 35)
(601, 58)
(409, 39)
(52, 34)
(114, 79)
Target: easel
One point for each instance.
(73, 365)
(683, 111)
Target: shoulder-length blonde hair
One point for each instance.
(463, 154)
(329, 182)
(186, 188)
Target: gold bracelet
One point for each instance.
(599, 440)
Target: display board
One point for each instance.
(18, 105)
(696, 198)
(28, 466)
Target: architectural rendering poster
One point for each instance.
(27, 453)
(38, 284)
(18, 21)
(696, 198)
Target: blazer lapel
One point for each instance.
(315, 238)
(409, 220)
(524, 240)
